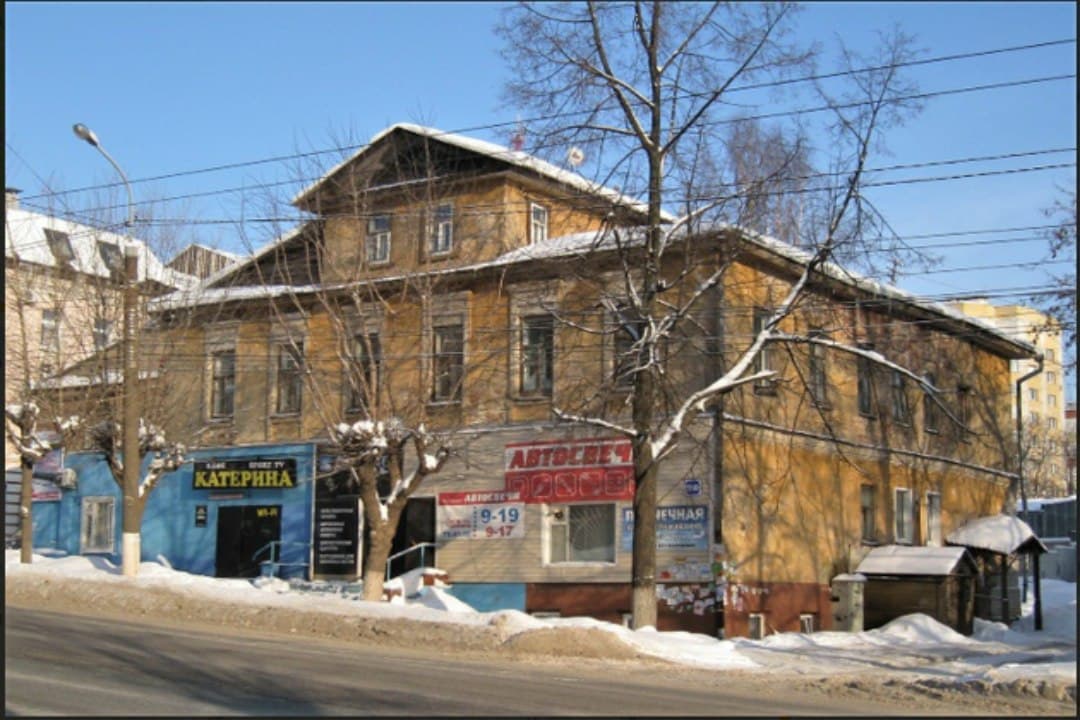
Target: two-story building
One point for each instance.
(453, 282)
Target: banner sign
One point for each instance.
(45, 491)
(483, 515)
(678, 527)
(337, 537)
(571, 470)
(244, 474)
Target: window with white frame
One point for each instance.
(442, 229)
(904, 516)
(1051, 377)
(223, 384)
(50, 330)
(764, 360)
(1051, 400)
(538, 223)
(1033, 394)
(581, 533)
(933, 518)
(98, 522)
(103, 331)
(111, 255)
(537, 351)
(290, 362)
(378, 239)
(60, 246)
(807, 623)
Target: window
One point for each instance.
(448, 363)
(904, 516)
(806, 623)
(581, 533)
(933, 518)
(1051, 377)
(367, 366)
(867, 511)
(819, 387)
(865, 383)
(963, 411)
(630, 329)
(1051, 400)
(538, 224)
(1014, 366)
(223, 387)
(537, 346)
(930, 406)
(50, 331)
(103, 330)
(60, 246)
(97, 534)
(1050, 354)
(1033, 394)
(378, 239)
(763, 361)
(442, 230)
(901, 408)
(1052, 423)
(111, 256)
(290, 360)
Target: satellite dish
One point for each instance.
(575, 156)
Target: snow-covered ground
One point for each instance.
(915, 645)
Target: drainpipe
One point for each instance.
(1020, 477)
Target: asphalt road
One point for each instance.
(75, 665)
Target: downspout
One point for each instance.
(1020, 477)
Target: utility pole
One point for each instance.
(131, 545)
(1023, 492)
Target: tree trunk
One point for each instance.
(382, 539)
(643, 566)
(26, 499)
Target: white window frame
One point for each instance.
(903, 516)
(103, 507)
(557, 518)
(807, 623)
(378, 239)
(933, 519)
(294, 351)
(442, 229)
(538, 223)
(103, 331)
(214, 394)
(546, 368)
(50, 330)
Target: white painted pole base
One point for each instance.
(132, 550)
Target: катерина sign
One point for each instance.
(244, 474)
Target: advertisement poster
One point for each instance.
(678, 527)
(337, 537)
(484, 515)
(571, 470)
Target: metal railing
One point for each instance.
(270, 566)
(422, 547)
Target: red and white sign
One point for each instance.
(480, 515)
(571, 471)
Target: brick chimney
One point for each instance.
(11, 198)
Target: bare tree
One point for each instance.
(1060, 303)
(643, 88)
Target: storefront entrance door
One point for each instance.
(241, 532)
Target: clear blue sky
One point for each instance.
(172, 87)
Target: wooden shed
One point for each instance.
(935, 581)
(995, 542)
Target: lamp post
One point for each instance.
(1023, 491)
(130, 548)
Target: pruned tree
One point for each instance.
(1060, 302)
(20, 426)
(643, 88)
(106, 438)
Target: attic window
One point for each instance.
(60, 245)
(111, 256)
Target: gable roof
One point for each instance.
(515, 158)
(1003, 534)
(25, 239)
(913, 560)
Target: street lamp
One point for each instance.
(130, 548)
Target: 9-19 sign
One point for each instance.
(488, 515)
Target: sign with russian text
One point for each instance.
(678, 527)
(45, 491)
(571, 470)
(252, 474)
(337, 537)
(480, 515)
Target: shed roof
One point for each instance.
(913, 560)
(1002, 534)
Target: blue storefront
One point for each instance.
(209, 517)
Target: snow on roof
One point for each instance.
(498, 152)
(1003, 534)
(25, 239)
(911, 560)
(1036, 504)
